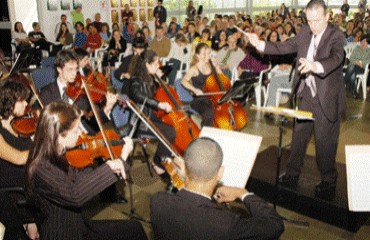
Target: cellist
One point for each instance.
(141, 90)
(195, 79)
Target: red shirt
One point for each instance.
(93, 41)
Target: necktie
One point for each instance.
(64, 95)
(226, 58)
(310, 79)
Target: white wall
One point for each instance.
(48, 19)
(24, 12)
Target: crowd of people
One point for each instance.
(308, 44)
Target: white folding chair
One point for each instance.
(362, 79)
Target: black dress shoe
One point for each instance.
(355, 95)
(325, 190)
(288, 181)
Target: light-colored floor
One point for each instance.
(355, 129)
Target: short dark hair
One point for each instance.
(81, 53)
(203, 159)
(65, 56)
(139, 42)
(10, 93)
(316, 3)
(34, 24)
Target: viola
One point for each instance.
(95, 80)
(88, 148)
(186, 129)
(229, 115)
(25, 126)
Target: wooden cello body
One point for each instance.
(229, 115)
(186, 129)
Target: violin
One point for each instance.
(94, 80)
(88, 148)
(25, 126)
(229, 115)
(186, 129)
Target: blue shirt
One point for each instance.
(80, 39)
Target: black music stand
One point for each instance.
(24, 62)
(239, 90)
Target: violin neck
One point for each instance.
(169, 94)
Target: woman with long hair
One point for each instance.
(13, 155)
(195, 79)
(20, 37)
(142, 70)
(60, 190)
(64, 36)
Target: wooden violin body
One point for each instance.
(88, 148)
(25, 125)
(229, 115)
(186, 129)
(95, 80)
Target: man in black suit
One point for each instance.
(319, 87)
(192, 214)
(66, 64)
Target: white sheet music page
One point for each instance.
(240, 151)
(358, 177)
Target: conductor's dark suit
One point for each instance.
(327, 105)
(186, 215)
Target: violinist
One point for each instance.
(194, 81)
(142, 90)
(61, 190)
(13, 156)
(67, 65)
(84, 63)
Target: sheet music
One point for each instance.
(240, 151)
(358, 177)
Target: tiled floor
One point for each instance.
(355, 129)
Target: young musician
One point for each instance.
(195, 79)
(14, 150)
(67, 65)
(143, 67)
(61, 190)
(171, 213)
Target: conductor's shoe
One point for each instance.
(288, 181)
(325, 190)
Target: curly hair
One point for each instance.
(10, 93)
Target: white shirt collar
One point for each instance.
(198, 193)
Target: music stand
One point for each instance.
(238, 90)
(23, 62)
(284, 114)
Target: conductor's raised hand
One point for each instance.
(306, 66)
(252, 38)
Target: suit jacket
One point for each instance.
(186, 215)
(330, 53)
(61, 194)
(50, 93)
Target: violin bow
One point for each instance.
(99, 121)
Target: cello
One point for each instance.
(229, 115)
(186, 129)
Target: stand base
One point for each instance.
(303, 200)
